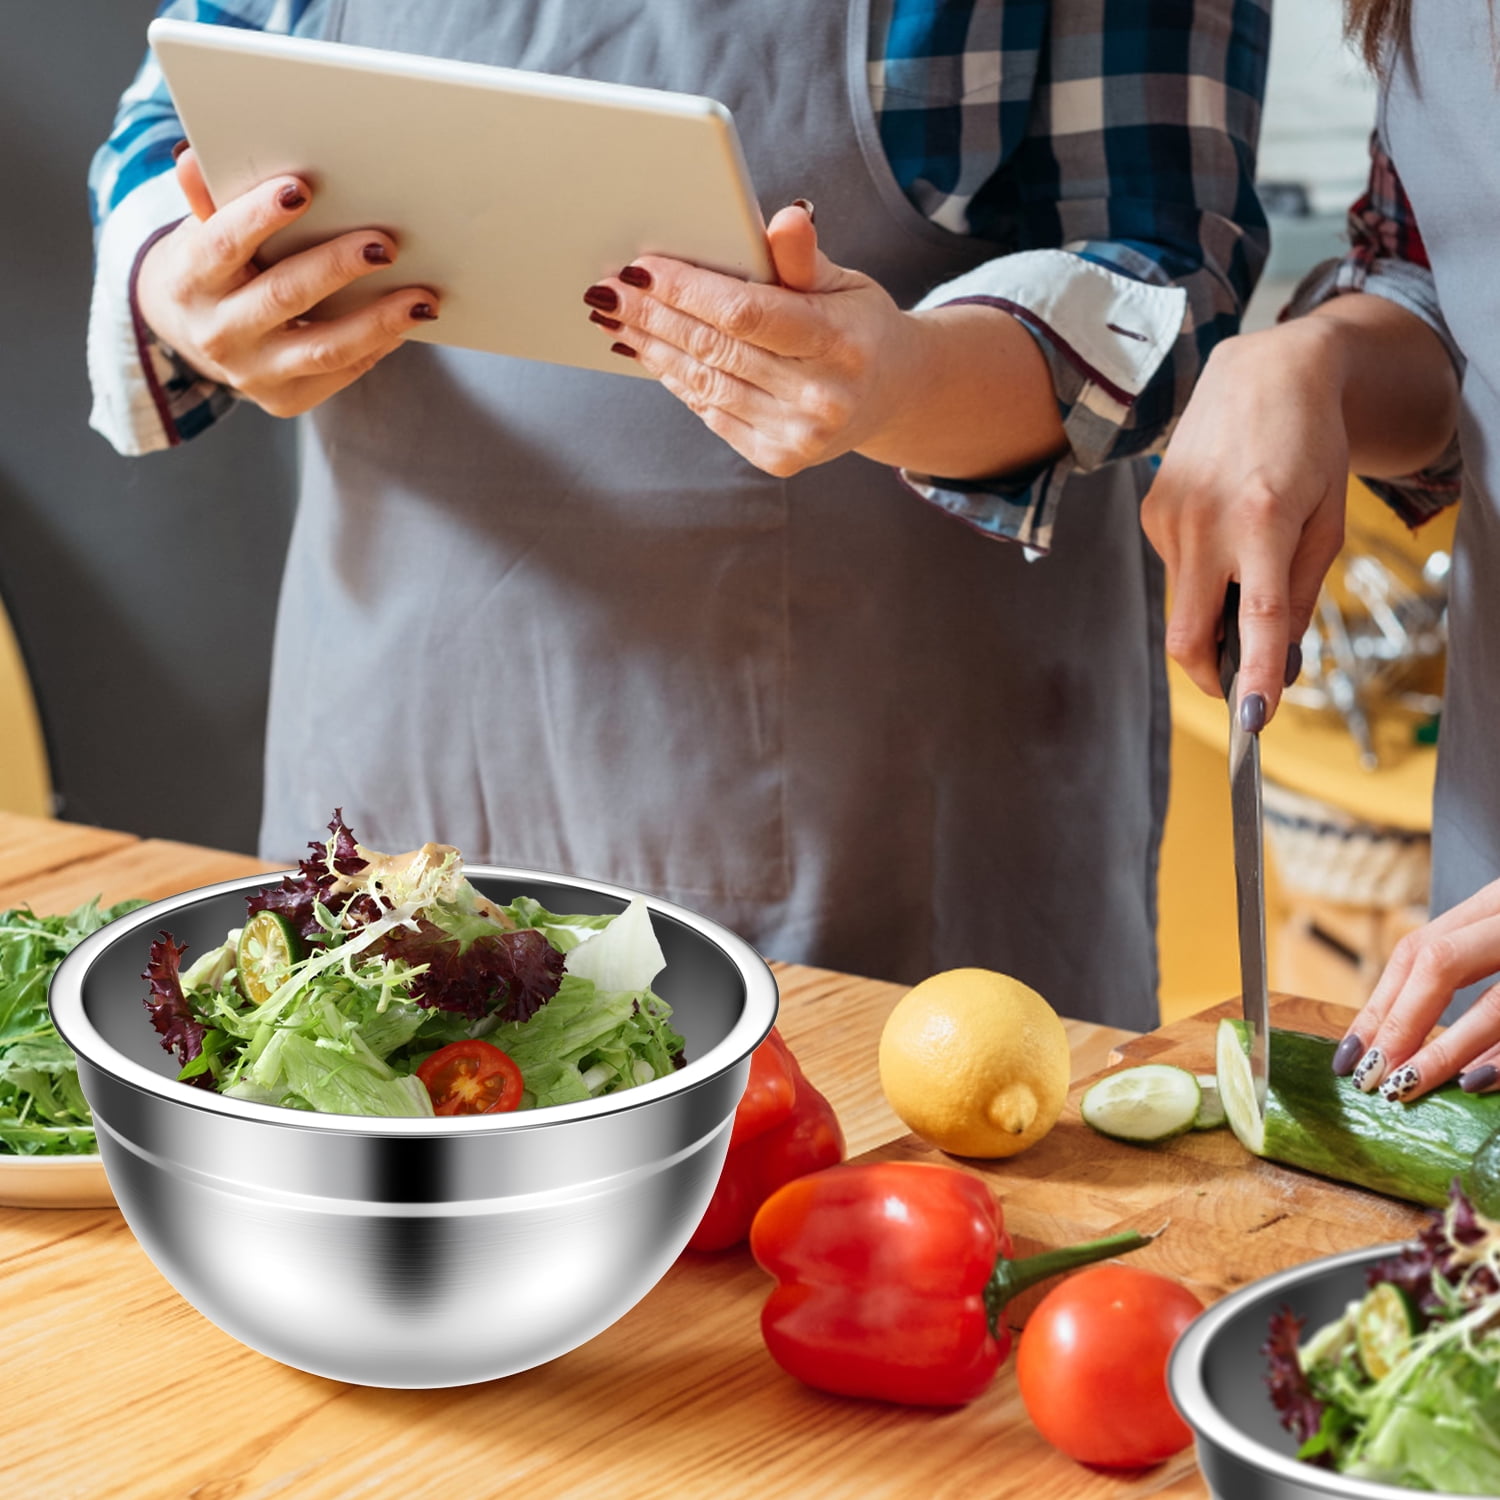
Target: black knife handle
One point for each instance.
(1229, 643)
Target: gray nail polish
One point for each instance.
(1293, 663)
(1370, 1071)
(1477, 1080)
(1252, 713)
(1347, 1055)
(1402, 1082)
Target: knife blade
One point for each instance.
(1249, 854)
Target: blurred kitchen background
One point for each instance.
(141, 592)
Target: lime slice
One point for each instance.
(1153, 1102)
(1384, 1327)
(268, 947)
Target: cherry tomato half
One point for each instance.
(1092, 1366)
(471, 1078)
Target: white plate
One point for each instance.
(54, 1182)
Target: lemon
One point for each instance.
(975, 1062)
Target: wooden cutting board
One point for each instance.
(115, 1389)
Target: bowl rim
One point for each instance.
(758, 1016)
(1190, 1393)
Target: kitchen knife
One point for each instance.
(1249, 862)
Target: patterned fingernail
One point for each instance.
(291, 197)
(1347, 1055)
(603, 322)
(1477, 1080)
(423, 312)
(376, 254)
(1252, 713)
(1370, 1071)
(178, 149)
(606, 299)
(1293, 663)
(636, 276)
(1400, 1084)
(624, 350)
(805, 204)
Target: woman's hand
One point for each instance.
(825, 363)
(1383, 1047)
(200, 291)
(1252, 490)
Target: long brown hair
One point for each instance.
(1378, 26)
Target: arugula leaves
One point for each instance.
(42, 1108)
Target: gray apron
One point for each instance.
(545, 615)
(1443, 130)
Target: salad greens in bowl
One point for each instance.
(378, 984)
(1366, 1375)
(273, 1144)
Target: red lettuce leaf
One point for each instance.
(1434, 1253)
(1291, 1395)
(181, 1031)
(513, 973)
(298, 895)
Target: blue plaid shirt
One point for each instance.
(1109, 144)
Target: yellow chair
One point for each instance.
(25, 778)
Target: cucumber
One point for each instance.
(1153, 1102)
(1482, 1180)
(1322, 1123)
(1210, 1114)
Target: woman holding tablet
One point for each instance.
(686, 635)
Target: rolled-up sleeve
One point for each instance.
(1140, 236)
(1386, 258)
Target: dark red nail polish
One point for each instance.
(178, 149)
(376, 254)
(291, 197)
(423, 312)
(622, 349)
(602, 297)
(805, 204)
(603, 322)
(636, 276)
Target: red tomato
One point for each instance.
(471, 1078)
(1092, 1366)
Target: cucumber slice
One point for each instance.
(1384, 1327)
(1210, 1114)
(1237, 1088)
(1153, 1102)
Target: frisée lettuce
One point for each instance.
(355, 970)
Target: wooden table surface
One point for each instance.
(113, 1386)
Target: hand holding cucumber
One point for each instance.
(1384, 1049)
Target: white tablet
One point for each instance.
(507, 192)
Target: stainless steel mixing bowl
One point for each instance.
(412, 1252)
(1217, 1380)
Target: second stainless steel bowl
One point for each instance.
(413, 1252)
(1217, 1379)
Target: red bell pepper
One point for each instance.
(892, 1278)
(783, 1128)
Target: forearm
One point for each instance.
(1396, 383)
(973, 398)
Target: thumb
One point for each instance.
(799, 264)
(190, 180)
